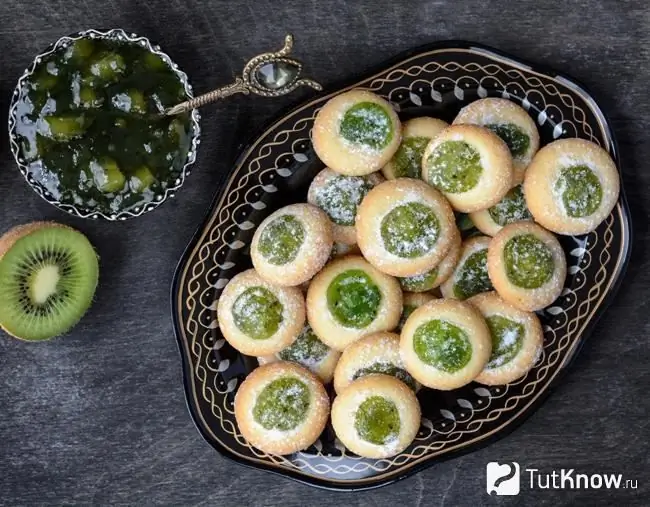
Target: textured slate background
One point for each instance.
(99, 417)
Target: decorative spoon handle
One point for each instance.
(268, 74)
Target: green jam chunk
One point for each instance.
(580, 189)
(340, 196)
(419, 283)
(257, 313)
(529, 262)
(442, 345)
(141, 179)
(517, 140)
(107, 175)
(407, 162)
(66, 127)
(464, 222)
(96, 99)
(307, 350)
(377, 420)
(282, 404)
(473, 276)
(507, 338)
(353, 298)
(454, 167)
(387, 369)
(410, 230)
(367, 124)
(281, 239)
(512, 208)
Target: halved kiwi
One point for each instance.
(48, 277)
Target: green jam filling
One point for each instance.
(407, 310)
(529, 262)
(454, 167)
(473, 276)
(507, 337)
(512, 208)
(340, 196)
(377, 420)
(517, 140)
(353, 298)
(442, 345)
(407, 162)
(580, 190)
(410, 230)
(282, 404)
(419, 283)
(257, 313)
(367, 124)
(281, 239)
(387, 369)
(307, 349)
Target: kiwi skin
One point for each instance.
(9, 238)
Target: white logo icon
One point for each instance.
(502, 479)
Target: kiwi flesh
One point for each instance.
(48, 277)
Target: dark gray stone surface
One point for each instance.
(99, 417)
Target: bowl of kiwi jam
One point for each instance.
(88, 130)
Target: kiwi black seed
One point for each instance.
(48, 277)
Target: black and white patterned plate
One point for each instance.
(276, 169)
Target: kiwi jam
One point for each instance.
(282, 404)
(512, 208)
(281, 239)
(257, 313)
(368, 125)
(340, 196)
(419, 283)
(353, 298)
(407, 162)
(517, 140)
(507, 337)
(442, 345)
(386, 369)
(580, 190)
(529, 262)
(377, 420)
(473, 276)
(410, 230)
(89, 125)
(454, 167)
(307, 349)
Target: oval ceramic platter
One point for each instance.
(276, 169)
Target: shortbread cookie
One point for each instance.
(405, 227)
(445, 344)
(517, 339)
(349, 299)
(339, 196)
(291, 245)
(471, 165)
(258, 318)
(281, 408)
(356, 133)
(527, 265)
(511, 123)
(470, 277)
(411, 301)
(571, 186)
(377, 416)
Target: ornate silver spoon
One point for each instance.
(268, 74)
